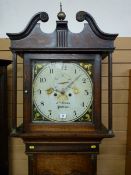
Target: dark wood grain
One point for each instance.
(90, 39)
(4, 163)
(61, 164)
(110, 93)
(14, 94)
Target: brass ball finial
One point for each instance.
(61, 15)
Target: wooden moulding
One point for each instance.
(39, 41)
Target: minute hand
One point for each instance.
(72, 82)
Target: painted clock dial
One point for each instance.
(62, 92)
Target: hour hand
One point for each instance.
(64, 82)
(72, 82)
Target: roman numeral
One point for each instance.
(51, 71)
(42, 80)
(75, 71)
(42, 103)
(86, 91)
(39, 91)
(74, 112)
(84, 80)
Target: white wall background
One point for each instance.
(112, 16)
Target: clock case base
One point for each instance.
(66, 155)
(62, 159)
(63, 154)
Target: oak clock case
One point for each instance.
(62, 119)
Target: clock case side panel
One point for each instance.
(4, 125)
(97, 92)
(30, 127)
(26, 94)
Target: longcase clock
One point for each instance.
(62, 125)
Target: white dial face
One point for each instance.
(62, 92)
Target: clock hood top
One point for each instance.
(91, 39)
